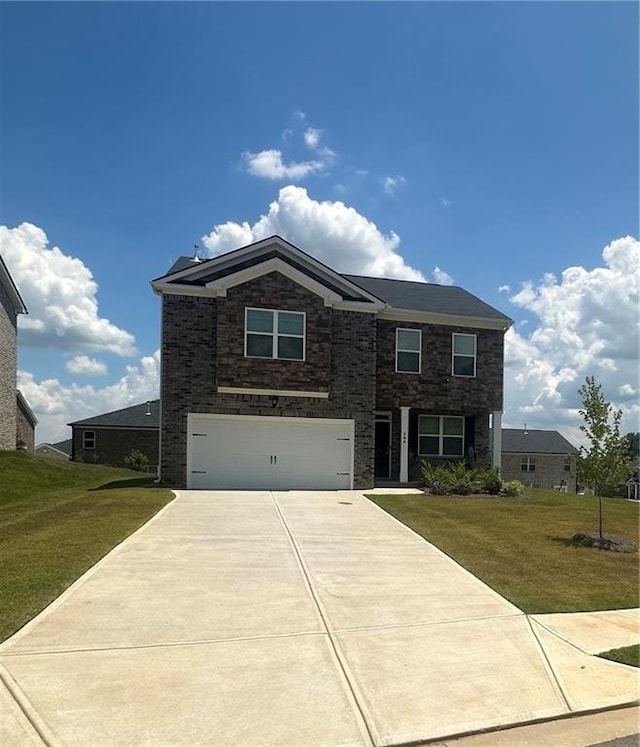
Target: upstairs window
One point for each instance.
(440, 435)
(464, 355)
(567, 464)
(528, 464)
(88, 439)
(274, 334)
(408, 350)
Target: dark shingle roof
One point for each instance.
(131, 417)
(429, 297)
(64, 446)
(535, 442)
(182, 263)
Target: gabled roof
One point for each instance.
(62, 447)
(391, 299)
(214, 276)
(520, 441)
(428, 297)
(6, 281)
(26, 410)
(146, 415)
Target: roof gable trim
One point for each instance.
(7, 281)
(286, 249)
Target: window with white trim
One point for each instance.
(88, 439)
(408, 350)
(440, 435)
(528, 464)
(464, 354)
(274, 334)
(567, 464)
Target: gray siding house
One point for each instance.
(279, 372)
(11, 305)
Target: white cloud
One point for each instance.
(442, 277)
(83, 365)
(445, 202)
(334, 233)
(60, 294)
(504, 289)
(268, 164)
(391, 184)
(587, 326)
(56, 404)
(312, 137)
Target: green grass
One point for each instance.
(628, 655)
(56, 520)
(521, 547)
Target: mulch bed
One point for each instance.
(606, 542)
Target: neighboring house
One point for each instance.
(539, 459)
(26, 423)
(60, 450)
(279, 372)
(11, 305)
(109, 438)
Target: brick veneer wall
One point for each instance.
(8, 372)
(435, 388)
(436, 391)
(549, 470)
(114, 444)
(202, 349)
(25, 431)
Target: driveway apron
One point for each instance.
(289, 619)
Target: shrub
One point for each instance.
(445, 479)
(513, 488)
(136, 461)
(489, 481)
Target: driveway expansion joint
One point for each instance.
(364, 724)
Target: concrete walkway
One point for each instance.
(292, 619)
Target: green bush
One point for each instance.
(490, 481)
(513, 488)
(137, 461)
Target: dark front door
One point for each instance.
(383, 449)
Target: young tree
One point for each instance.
(603, 463)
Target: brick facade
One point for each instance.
(8, 371)
(549, 470)
(435, 391)
(348, 354)
(203, 348)
(112, 445)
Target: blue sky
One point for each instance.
(497, 142)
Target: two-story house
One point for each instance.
(17, 421)
(279, 372)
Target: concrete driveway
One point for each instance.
(290, 619)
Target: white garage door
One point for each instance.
(268, 453)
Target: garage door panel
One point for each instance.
(236, 452)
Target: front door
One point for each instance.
(383, 450)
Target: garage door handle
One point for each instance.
(275, 460)
(198, 471)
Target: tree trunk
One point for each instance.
(599, 515)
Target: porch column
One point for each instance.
(404, 444)
(496, 439)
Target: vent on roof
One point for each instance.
(196, 258)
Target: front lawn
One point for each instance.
(56, 520)
(521, 547)
(627, 655)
